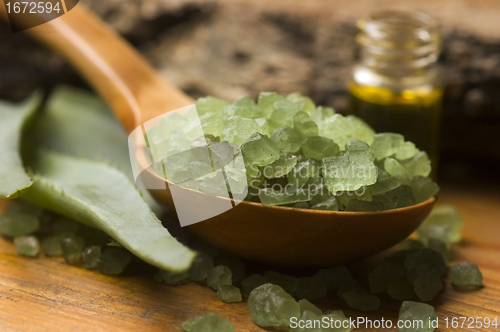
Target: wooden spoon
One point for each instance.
(276, 235)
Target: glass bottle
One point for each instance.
(395, 86)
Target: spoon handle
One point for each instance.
(130, 86)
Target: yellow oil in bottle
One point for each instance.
(395, 86)
(413, 113)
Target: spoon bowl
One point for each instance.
(302, 237)
(270, 234)
(299, 237)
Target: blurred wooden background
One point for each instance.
(230, 48)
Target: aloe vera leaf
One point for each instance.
(80, 124)
(103, 197)
(13, 178)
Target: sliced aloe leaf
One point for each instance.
(103, 197)
(80, 124)
(13, 178)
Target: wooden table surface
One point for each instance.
(45, 294)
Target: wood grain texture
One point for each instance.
(45, 294)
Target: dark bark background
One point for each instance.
(230, 48)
